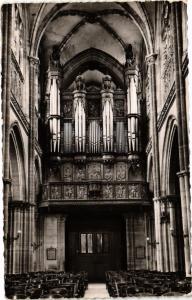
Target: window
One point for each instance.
(94, 243)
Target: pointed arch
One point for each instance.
(17, 163)
(171, 130)
(93, 58)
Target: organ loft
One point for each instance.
(95, 138)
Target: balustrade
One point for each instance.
(64, 191)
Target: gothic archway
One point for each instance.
(17, 199)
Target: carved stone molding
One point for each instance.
(166, 107)
(20, 114)
(34, 60)
(151, 59)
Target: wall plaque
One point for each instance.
(51, 253)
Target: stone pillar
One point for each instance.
(6, 95)
(33, 71)
(165, 238)
(150, 59)
(173, 236)
(182, 133)
(129, 220)
(61, 242)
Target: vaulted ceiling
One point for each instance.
(75, 27)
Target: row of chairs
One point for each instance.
(146, 283)
(46, 284)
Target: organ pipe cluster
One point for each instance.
(53, 91)
(133, 111)
(107, 112)
(79, 112)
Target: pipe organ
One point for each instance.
(94, 121)
(133, 111)
(107, 113)
(94, 136)
(53, 112)
(79, 113)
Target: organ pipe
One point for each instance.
(79, 112)
(107, 111)
(133, 110)
(53, 91)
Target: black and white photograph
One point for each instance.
(95, 150)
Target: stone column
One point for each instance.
(173, 236)
(6, 95)
(150, 59)
(129, 220)
(182, 133)
(61, 247)
(33, 71)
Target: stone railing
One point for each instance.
(94, 190)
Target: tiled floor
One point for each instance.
(96, 290)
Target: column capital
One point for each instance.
(156, 199)
(151, 58)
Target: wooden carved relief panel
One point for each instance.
(108, 172)
(121, 171)
(67, 172)
(55, 192)
(80, 173)
(82, 192)
(69, 192)
(67, 109)
(120, 191)
(107, 191)
(94, 171)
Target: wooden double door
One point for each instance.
(94, 246)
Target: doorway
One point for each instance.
(95, 246)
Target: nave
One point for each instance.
(62, 285)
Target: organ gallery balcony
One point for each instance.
(94, 192)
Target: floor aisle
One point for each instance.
(96, 290)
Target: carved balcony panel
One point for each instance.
(96, 191)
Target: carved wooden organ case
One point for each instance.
(93, 139)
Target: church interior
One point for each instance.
(96, 185)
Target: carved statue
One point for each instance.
(107, 83)
(130, 58)
(79, 83)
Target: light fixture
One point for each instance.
(11, 239)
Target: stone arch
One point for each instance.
(38, 177)
(39, 26)
(93, 58)
(17, 164)
(171, 130)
